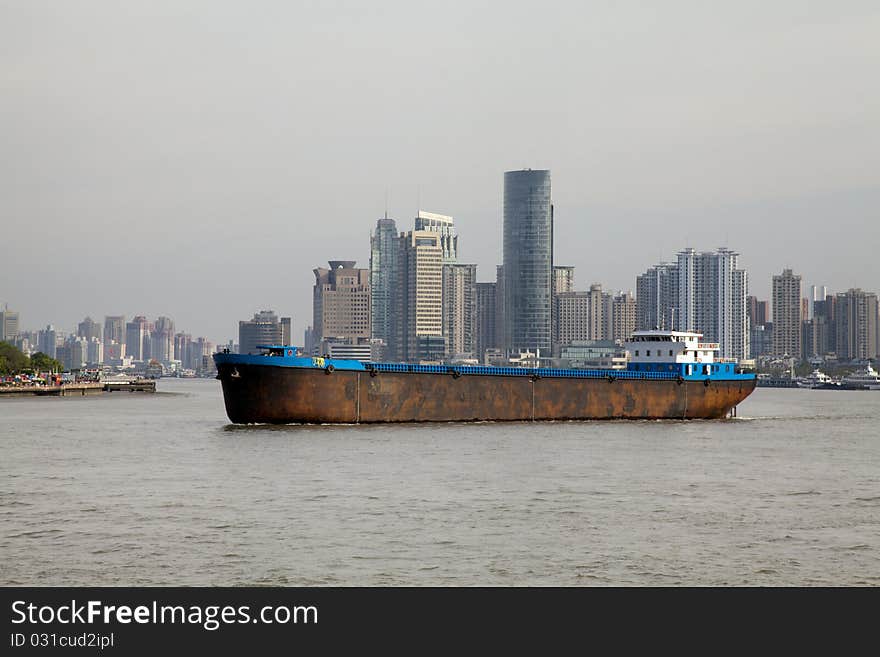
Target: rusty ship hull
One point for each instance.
(255, 392)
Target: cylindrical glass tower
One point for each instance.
(528, 260)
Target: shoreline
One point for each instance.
(80, 389)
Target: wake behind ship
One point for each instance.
(670, 375)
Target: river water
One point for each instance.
(140, 489)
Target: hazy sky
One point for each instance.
(198, 159)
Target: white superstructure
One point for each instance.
(867, 377)
(667, 347)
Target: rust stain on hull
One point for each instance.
(297, 395)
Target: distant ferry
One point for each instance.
(817, 380)
(670, 375)
(867, 379)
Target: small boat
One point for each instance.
(815, 380)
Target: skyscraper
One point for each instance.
(383, 277)
(657, 298)
(486, 315)
(88, 329)
(445, 226)
(135, 334)
(528, 260)
(9, 325)
(114, 332)
(856, 329)
(418, 298)
(263, 329)
(787, 315)
(712, 299)
(459, 309)
(623, 317)
(162, 340)
(757, 311)
(341, 302)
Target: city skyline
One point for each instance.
(172, 180)
(297, 328)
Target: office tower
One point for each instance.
(162, 340)
(486, 305)
(563, 279)
(809, 339)
(95, 354)
(47, 341)
(263, 329)
(183, 349)
(623, 317)
(77, 353)
(459, 310)
(309, 345)
(824, 329)
(499, 308)
(855, 320)
(341, 302)
(787, 315)
(573, 314)
(384, 251)
(757, 311)
(135, 334)
(712, 299)
(88, 329)
(286, 331)
(417, 323)
(528, 260)
(114, 329)
(445, 226)
(203, 363)
(9, 325)
(657, 298)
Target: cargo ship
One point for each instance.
(669, 375)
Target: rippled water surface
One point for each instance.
(137, 489)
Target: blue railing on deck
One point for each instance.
(519, 371)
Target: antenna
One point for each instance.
(386, 202)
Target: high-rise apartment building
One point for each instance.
(263, 329)
(459, 309)
(485, 303)
(384, 251)
(824, 327)
(856, 325)
(47, 341)
(341, 302)
(445, 226)
(95, 353)
(114, 332)
(657, 298)
(162, 340)
(757, 311)
(417, 319)
(563, 281)
(88, 329)
(573, 311)
(712, 295)
(787, 315)
(136, 332)
(623, 317)
(528, 260)
(9, 325)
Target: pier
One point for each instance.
(81, 389)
